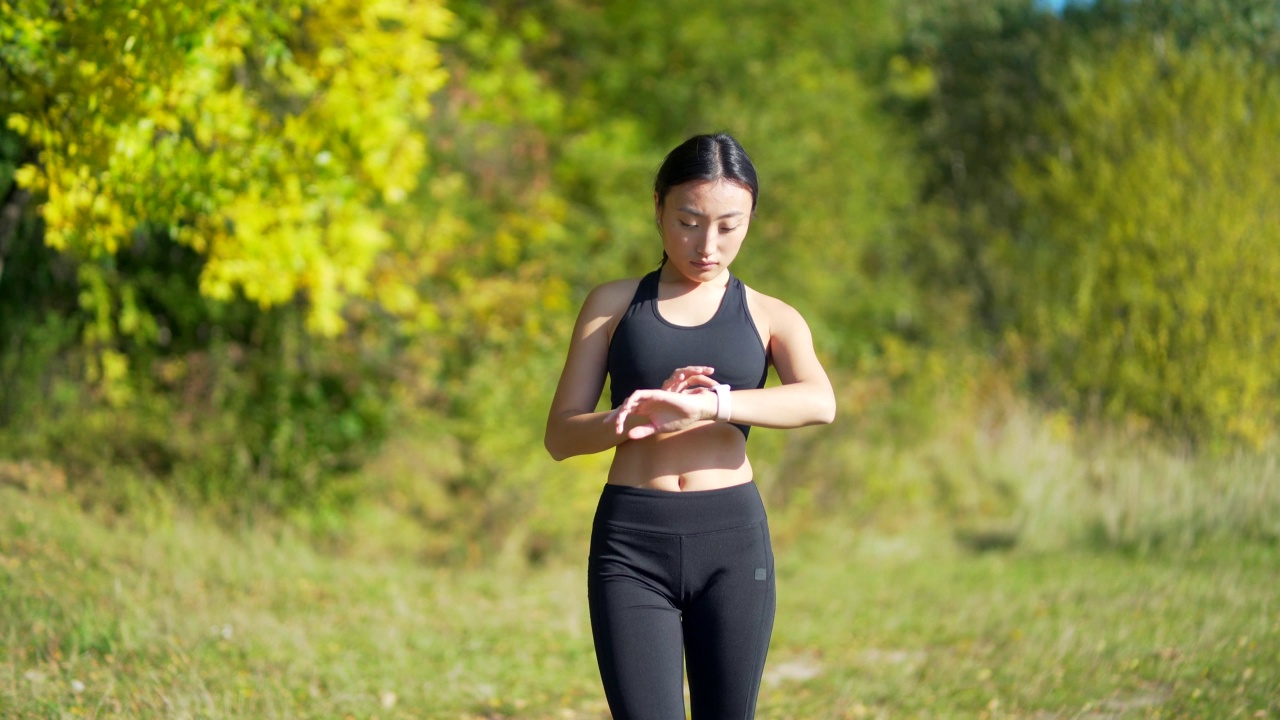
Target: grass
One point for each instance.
(913, 629)
(185, 620)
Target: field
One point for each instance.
(184, 619)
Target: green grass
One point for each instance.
(108, 619)
(912, 629)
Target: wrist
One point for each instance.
(724, 403)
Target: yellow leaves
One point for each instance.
(332, 56)
(270, 147)
(911, 81)
(19, 123)
(395, 295)
(506, 247)
(28, 177)
(285, 243)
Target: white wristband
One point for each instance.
(724, 403)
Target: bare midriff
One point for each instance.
(708, 456)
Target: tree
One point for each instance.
(266, 137)
(1152, 240)
(969, 78)
(795, 82)
(196, 181)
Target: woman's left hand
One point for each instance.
(693, 378)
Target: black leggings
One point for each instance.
(681, 571)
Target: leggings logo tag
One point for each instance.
(761, 573)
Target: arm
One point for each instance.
(805, 396)
(573, 425)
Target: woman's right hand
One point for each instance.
(649, 412)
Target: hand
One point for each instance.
(665, 410)
(694, 378)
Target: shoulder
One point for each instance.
(776, 315)
(611, 298)
(605, 305)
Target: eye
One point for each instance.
(728, 229)
(688, 224)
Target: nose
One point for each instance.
(706, 244)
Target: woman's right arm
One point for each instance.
(573, 425)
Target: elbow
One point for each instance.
(559, 439)
(557, 453)
(825, 411)
(555, 449)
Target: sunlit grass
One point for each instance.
(187, 620)
(909, 627)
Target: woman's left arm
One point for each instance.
(804, 396)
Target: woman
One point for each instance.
(681, 565)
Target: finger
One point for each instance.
(621, 414)
(640, 396)
(694, 370)
(628, 408)
(699, 382)
(641, 431)
(677, 381)
(616, 417)
(696, 384)
(679, 376)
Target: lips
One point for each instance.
(703, 265)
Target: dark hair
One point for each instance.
(716, 156)
(707, 157)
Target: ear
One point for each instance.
(657, 208)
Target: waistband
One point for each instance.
(680, 513)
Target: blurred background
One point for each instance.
(286, 287)
(312, 266)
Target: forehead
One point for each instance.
(710, 197)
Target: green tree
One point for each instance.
(796, 83)
(969, 79)
(1152, 240)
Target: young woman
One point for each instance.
(681, 568)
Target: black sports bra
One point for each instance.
(646, 349)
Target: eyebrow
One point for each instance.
(690, 211)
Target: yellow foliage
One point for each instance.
(269, 139)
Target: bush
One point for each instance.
(1151, 243)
